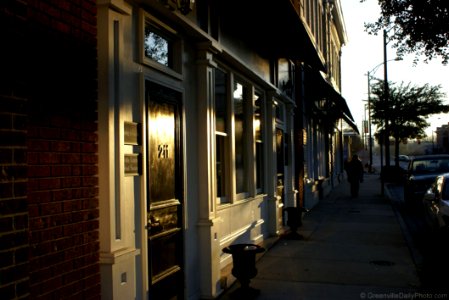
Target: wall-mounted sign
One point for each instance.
(132, 164)
(132, 133)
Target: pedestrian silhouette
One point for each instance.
(354, 170)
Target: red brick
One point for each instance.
(49, 133)
(20, 189)
(68, 182)
(69, 206)
(33, 158)
(6, 190)
(91, 193)
(70, 135)
(61, 170)
(52, 233)
(62, 195)
(33, 210)
(50, 183)
(71, 158)
(89, 136)
(39, 197)
(61, 146)
(76, 170)
(89, 158)
(39, 171)
(36, 224)
(49, 158)
(89, 148)
(21, 222)
(33, 184)
(90, 170)
(71, 229)
(50, 208)
(90, 181)
(7, 224)
(20, 156)
(60, 122)
(6, 156)
(37, 145)
(51, 10)
(61, 219)
(50, 285)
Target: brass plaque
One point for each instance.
(132, 164)
(131, 132)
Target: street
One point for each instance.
(429, 249)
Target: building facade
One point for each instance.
(162, 132)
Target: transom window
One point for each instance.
(161, 46)
(157, 47)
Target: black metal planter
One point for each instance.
(244, 266)
(294, 221)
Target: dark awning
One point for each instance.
(326, 99)
(272, 26)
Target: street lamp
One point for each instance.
(370, 144)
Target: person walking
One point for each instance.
(354, 170)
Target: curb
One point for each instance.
(416, 255)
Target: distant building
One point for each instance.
(442, 139)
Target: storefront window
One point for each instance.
(239, 125)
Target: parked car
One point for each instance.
(421, 173)
(436, 203)
(403, 158)
(403, 161)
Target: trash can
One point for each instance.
(244, 264)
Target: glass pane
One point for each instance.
(221, 166)
(258, 135)
(156, 46)
(259, 166)
(162, 151)
(283, 75)
(240, 140)
(445, 194)
(279, 112)
(258, 118)
(221, 110)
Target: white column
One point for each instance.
(209, 245)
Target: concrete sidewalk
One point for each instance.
(352, 249)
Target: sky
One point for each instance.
(363, 52)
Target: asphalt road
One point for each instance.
(430, 249)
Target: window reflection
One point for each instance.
(156, 46)
(221, 128)
(240, 140)
(258, 136)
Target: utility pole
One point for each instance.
(370, 141)
(387, 95)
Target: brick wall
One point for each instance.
(49, 240)
(13, 180)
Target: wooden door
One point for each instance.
(165, 203)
